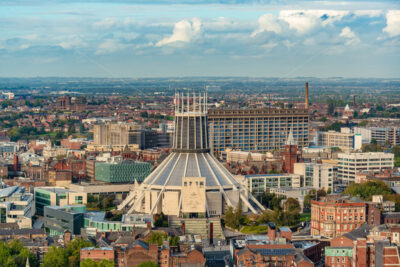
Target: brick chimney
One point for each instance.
(183, 227)
(16, 163)
(67, 237)
(211, 233)
(271, 231)
(306, 97)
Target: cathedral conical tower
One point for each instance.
(190, 182)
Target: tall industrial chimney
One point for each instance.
(306, 97)
(16, 163)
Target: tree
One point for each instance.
(363, 123)
(335, 126)
(92, 263)
(55, 257)
(292, 204)
(238, 214)
(313, 195)
(147, 264)
(174, 241)
(157, 238)
(396, 151)
(368, 189)
(271, 201)
(230, 217)
(14, 254)
(280, 218)
(70, 256)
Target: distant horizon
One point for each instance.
(196, 77)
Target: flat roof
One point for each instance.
(58, 190)
(94, 248)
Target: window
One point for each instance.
(78, 200)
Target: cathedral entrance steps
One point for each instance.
(198, 226)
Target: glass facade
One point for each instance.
(259, 184)
(42, 199)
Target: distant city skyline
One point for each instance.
(200, 38)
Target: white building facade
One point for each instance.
(349, 164)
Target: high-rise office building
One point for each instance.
(257, 129)
(116, 134)
(121, 134)
(382, 135)
(350, 164)
(347, 142)
(317, 175)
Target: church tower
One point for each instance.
(290, 153)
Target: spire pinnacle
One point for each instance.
(290, 141)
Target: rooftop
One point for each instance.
(179, 165)
(8, 191)
(94, 248)
(57, 190)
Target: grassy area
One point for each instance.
(305, 217)
(254, 229)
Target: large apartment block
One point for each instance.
(350, 164)
(257, 129)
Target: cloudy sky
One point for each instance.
(162, 38)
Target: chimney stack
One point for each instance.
(16, 162)
(211, 233)
(306, 97)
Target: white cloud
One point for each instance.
(349, 36)
(289, 44)
(303, 21)
(109, 46)
(106, 23)
(72, 41)
(25, 46)
(270, 45)
(184, 31)
(267, 22)
(392, 23)
(368, 13)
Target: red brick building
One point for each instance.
(136, 253)
(333, 216)
(363, 247)
(271, 255)
(97, 254)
